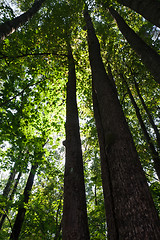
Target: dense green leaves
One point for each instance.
(33, 75)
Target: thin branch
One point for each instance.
(152, 177)
(8, 219)
(31, 54)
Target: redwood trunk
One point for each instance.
(22, 210)
(153, 151)
(148, 55)
(149, 9)
(75, 224)
(132, 207)
(10, 26)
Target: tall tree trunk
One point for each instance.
(22, 210)
(75, 223)
(10, 26)
(9, 183)
(153, 151)
(106, 175)
(148, 113)
(110, 76)
(10, 198)
(148, 55)
(7, 188)
(58, 225)
(133, 214)
(149, 9)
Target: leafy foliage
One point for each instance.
(33, 75)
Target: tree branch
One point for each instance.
(8, 218)
(31, 54)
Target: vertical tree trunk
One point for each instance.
(75, 224)
(10, 26)
(7, 188)
(132, 210)
(22, 210)
(153, 151)
(10, 198)
(149, 9)
(110, 76)
(95, 195)
(9, 183)
(106, 175)
(148, 113)
(58, 225)
(148, 55)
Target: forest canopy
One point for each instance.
(79, 114)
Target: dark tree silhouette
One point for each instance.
(132, 213)
(149, 9)
(10, 26)
(148, 55)
(151, 146)
(75, 224)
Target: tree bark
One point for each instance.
(75, 223)
(9, 183)
(149, 9)
(148, 55)
(148, 113)
(133, 214)
(153, 151)
(22, 210)
(11, 26)
(10, 198)
(110, 76)
(106, 175)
